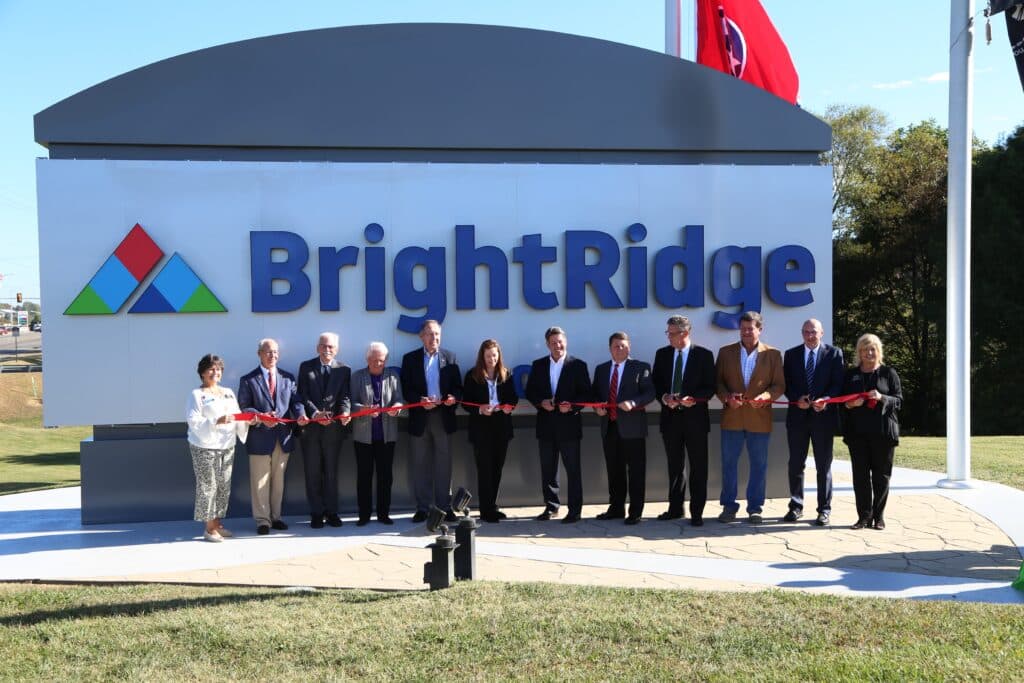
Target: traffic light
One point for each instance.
(19, 297)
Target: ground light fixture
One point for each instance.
(440, 571)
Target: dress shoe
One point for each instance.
(263, 530)
(363, 521)
(861, 523)
(450, 517)
(755, 518)
(822, 519)
(226, 533)
(544, 516)
(571, 518)
(631, 521)
(611, 514)
(696, 521)
(500, 514)
(491, 517)
(279, 525)
(793, 515)
(316, 522)
(420, 516)
(213, 536)
(669, 514)
(384, 519)
(334, 520)
(727, 516)
(879, 524)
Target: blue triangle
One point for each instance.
(152, 301)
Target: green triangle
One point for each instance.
(88, 302)
(202, 301)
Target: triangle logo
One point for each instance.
(175, 289)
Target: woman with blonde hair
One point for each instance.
(871, 430)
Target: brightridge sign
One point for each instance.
(288, 250)
(785, 266)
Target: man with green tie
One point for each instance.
(684, 380)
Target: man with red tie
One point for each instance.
(625, 385)
(271, 392)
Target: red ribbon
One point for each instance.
(377, 410)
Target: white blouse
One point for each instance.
(204, 409)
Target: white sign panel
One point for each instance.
(226, 253)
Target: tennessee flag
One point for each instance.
(737, 37)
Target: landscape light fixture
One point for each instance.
(440, 571)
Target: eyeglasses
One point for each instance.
(670, 333)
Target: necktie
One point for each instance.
(272, 384)
(324, 372)
(809, 370)
(677, 375)
(613, 394)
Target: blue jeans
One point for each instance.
(757, 450)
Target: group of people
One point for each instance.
(824, 397)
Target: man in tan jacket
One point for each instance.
(749, 377)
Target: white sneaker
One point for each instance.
(212, 537)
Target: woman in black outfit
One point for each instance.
(871, 430)
(490, 426)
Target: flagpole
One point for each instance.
(672, 37)
(958, 248)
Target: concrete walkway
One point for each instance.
(939, 544)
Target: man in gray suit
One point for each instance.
(626, 385)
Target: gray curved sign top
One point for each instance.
(439, 92)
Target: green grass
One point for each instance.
(993, 458)
(493, 631)
(33, 458)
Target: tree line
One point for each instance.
(889, 262)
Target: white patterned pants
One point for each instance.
(212, 468)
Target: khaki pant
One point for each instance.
(266, 485)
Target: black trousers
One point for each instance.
(569, 449)
(489, 451)
(871, 461)
(379, 454)
(681, 444)
(321, 446)
(821, 441)
(626, 463)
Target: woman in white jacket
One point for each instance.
(212, 430)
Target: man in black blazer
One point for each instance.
(323, 387)
(430, 374)
(273, 392)
(556, 382)
(814, 372)
(684, 379)
(625, 384)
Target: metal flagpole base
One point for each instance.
(956, 484)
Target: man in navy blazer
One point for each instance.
(624, 427)
(684, 380)
(430, 374)
(271, 391)
(814, 372)
(556, 382)
(323, 387)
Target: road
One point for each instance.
(27, 342)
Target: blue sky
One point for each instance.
(890, 55)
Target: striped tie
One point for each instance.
(613, 394)
(809, 370)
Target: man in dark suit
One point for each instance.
(814, 372)
(323, 386)
(272, 392)
(555, 383)
(684, 380)
(430, 374)
(625, 384)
